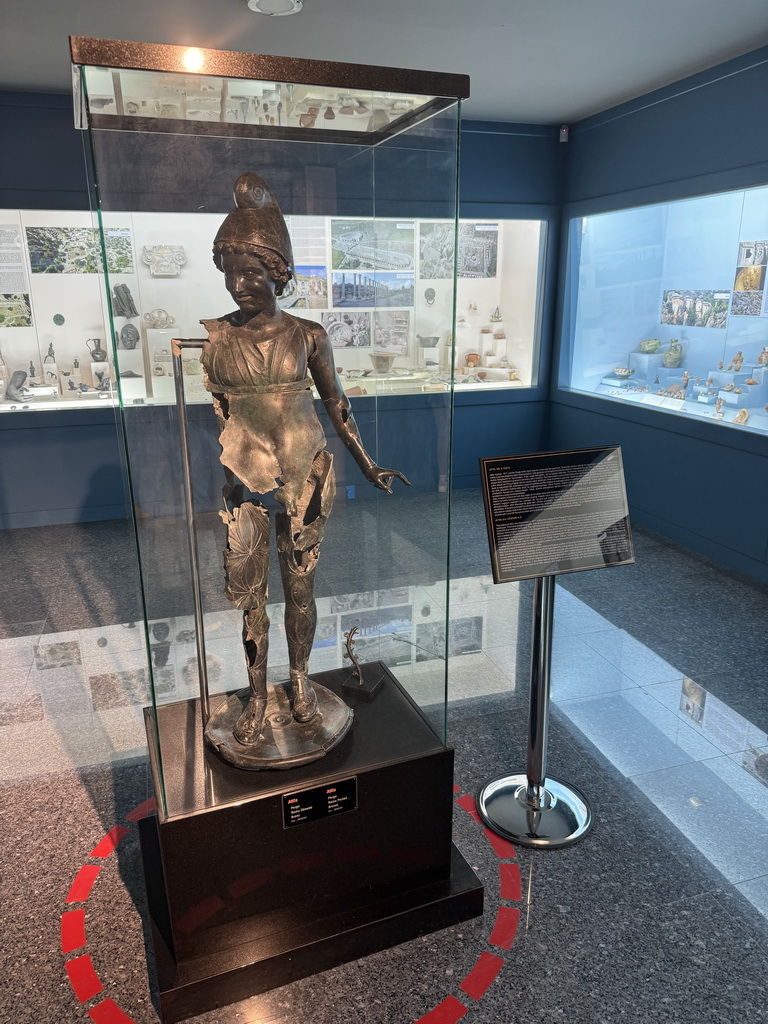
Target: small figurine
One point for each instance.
(738, 359)
(762, 358)
(719, 409)
(51, 357)
(31, 371)
(741, 417)
(720, 365)
(730, 367)
(495, 316)
(76, 364)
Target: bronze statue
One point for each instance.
(260, 363)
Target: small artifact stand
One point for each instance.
(522, 504)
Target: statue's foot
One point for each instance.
(250, 723)
(304, 697)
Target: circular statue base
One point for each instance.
(284, 742)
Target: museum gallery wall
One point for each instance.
(363, 279)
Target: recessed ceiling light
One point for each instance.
(276, 8)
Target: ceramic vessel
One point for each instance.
(382, 363)
(673, 356)
(98, 355)
(650, 345)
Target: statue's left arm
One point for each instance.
(323, 369)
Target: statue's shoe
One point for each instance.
(250, 723)
(304, 698)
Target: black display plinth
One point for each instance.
(252, 884)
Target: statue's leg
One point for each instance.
(298, 546)
(247, 562)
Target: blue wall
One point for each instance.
(706, 133)
(702, 485)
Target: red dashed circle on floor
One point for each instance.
(87, 985)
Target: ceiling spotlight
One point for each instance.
(276, 8)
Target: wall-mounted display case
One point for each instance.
(377, 285)
(271, 751)
(667, 307)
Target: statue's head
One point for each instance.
(256, 227)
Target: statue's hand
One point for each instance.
(382, 478)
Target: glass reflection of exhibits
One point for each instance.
(309, 109)
(671, 308)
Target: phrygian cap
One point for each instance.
(257, 218)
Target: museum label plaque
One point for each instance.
(555, 512)
(320, 802)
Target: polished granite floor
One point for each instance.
(660, 715)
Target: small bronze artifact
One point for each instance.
(362, 685)
(16, 391)
(350, 655)
(129, 336)
(122, 302)
(98, 354)
(260, 363)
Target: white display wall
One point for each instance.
(381, 288)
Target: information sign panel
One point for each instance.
(556, 512)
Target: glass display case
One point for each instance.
(374, 284)
(668, 308)
(234, 429)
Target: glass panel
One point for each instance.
(310, 109)
(669, 307)
(353, 213)
(54, 349)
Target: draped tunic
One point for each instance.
(269, 430)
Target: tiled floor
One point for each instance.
(659, 914)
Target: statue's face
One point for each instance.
(248, 282)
